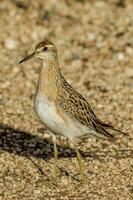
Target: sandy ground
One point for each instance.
(95, 43)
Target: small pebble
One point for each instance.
(10, 43)
(120, 56)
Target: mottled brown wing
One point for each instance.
(76, 106)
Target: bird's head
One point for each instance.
(45, 50)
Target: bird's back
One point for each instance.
(76, 106)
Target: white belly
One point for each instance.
(58, 122)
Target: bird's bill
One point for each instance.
(27, 58)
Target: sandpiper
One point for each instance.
(59, 107)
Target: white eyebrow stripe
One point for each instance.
(40, 48)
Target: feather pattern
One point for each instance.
(76, 106)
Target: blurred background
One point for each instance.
(94, 39)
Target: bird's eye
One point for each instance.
(45, 49)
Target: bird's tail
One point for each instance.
(106, 130)
(111, 130)
(102, 129)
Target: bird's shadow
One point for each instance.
(25, 144)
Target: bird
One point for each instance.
(60, 108)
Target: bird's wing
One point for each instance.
(76, 106)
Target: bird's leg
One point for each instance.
(55, 156)
(80, 161)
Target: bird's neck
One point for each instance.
(49, 79)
